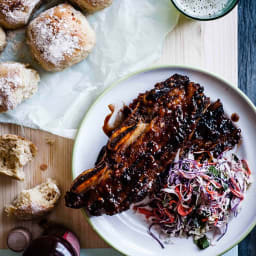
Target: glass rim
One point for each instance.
(222, 13)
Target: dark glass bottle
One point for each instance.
(55, 241)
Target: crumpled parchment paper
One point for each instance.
(130, 36)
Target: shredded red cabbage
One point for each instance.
(196, 199)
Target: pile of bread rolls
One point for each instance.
(58, 38)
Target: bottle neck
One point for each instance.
(63, 233)
(50, 245)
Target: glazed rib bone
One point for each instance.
(153, 128)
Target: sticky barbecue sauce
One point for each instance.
(235, 117)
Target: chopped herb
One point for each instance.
(205, 213)
(165, 202)
(223, 175)
(215, 172)
(225, 186)
(196, 189)
(196, 223)
(235, 157)
(202, 243)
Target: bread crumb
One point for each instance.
(43, 167)
(50, 141)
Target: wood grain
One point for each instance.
(209, 45)
(58, 159)
(247, 81)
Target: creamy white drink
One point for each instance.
(202, 8)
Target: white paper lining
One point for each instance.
(130, 35)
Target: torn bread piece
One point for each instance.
(35, 202)
(17, 83)
(15, 152)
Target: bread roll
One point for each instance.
(92, 5)
(15, 152)
(16, 13)
(17, 83)
(2, 39)
(35, 202)
(60, 37)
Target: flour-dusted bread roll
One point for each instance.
(15, 152)
(16, 13)
(2, 39)
(17, 83)
(92, 5)
(35, 202)
(60, 37)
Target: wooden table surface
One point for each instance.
(247, 80)
(209, 45)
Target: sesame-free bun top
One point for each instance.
(92, 5)
(60, 37)
(16, 13)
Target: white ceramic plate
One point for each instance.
(127, 232)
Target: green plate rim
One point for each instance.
(196, 69)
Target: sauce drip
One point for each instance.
(235, 117)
